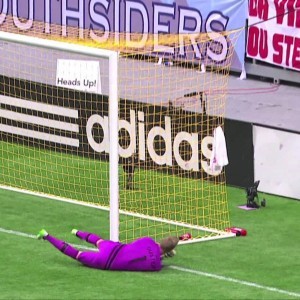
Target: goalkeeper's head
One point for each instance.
(168, 244)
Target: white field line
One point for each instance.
(241, 282)
(18, 233)
(222, 234)
(195, 272)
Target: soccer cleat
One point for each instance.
(74, 231)
(42, 234)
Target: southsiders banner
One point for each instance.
(132, 16)
(274, 32)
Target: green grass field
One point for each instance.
(263, 265)
(158, 194)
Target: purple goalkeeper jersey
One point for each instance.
(141, 255)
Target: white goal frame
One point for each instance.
(113, 58)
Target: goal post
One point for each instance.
(141, 149)
(114, 146)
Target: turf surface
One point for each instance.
(268, 256)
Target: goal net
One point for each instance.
(55, 127)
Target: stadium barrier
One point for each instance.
(276, 160)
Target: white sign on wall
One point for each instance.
(277, 161)
(82, 75)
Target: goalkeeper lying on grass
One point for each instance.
(144, 254)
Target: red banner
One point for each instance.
(274, 32)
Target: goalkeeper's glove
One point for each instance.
(170, 253)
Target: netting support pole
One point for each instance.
(114, 146)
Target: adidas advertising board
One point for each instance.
(50, 116)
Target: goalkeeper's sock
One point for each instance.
(88, 237)
(62, 246)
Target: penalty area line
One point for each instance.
(195, 272)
